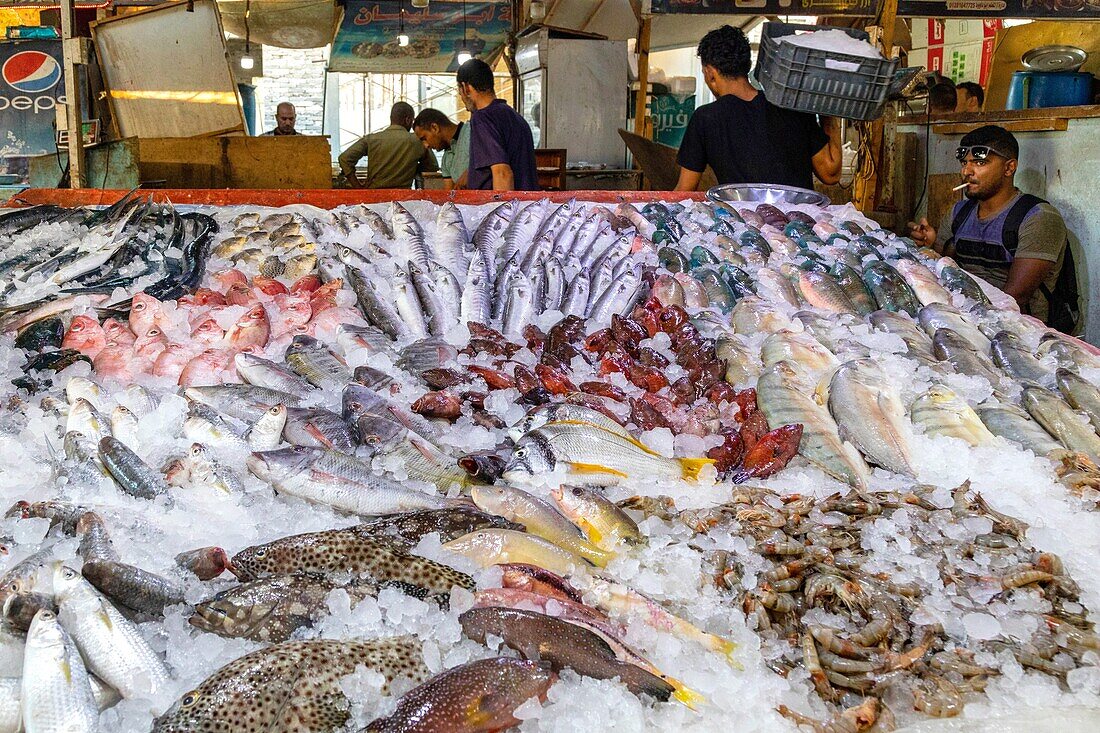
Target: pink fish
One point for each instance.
(325, 296)
(118, 332)
(151, 343)
(115, 362)
(208, 332)
(269, 285)
(240, 294)
(278, 345)
(251, 329)
(171, 361)
(289, 311)
(206, 369)
(327, 320)
(85, 335)
(203, 296)
(144, 311)
(306, 284)
(228, 278)
(562, 608)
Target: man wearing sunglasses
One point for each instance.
(1013, 240)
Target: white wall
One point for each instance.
(296, 76)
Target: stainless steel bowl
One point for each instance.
(765, 193)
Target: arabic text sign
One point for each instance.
(367, 38)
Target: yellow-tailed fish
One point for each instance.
(494, 546)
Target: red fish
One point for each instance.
(269, 285)
(144, 312)
(118, 332)
(770, 454)
(208, 332)
(115, 362)
(240, 294)
(171, 361)
(228, 278)
(306, 284)
(203, 296)
(151, 343)
(289, 310)
(328, 319)
(208, 368)
(85, 335)
(251, 329)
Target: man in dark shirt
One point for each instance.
(502, 150)
(744, 137)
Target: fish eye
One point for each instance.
(521, 452)
(48, 615)
(138, 307)
(191, 698)
(576, 491)
(68, 573)
(261, 553)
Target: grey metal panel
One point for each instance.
(586, 99)
(531, 51)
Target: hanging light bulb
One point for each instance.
(420, 3)
(464, 54)
(247, 62)
(402, 37)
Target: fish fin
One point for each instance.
(106, 618)
(319, 436)
(691, 467)
(685, 695)
(595, 468)
(594, 535)
(67, 670)
(726, 648)
(422, 449)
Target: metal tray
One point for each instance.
(766, 193)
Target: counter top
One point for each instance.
(1010, 115)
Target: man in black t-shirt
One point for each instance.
(744, 137)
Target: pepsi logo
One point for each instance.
(31, 72)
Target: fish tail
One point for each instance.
(685, 694)
(726, 648)
(691, 467)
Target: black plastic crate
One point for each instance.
(799, 78)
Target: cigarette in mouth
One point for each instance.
(960, 187)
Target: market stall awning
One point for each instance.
(281, 23)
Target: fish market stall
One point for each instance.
(312, 461)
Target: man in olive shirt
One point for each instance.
(1013, 240)
(394, 155)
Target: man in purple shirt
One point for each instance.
(502, 150)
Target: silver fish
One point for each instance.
(317, 363)
(408, 233)
(408, 304)
(377, 309)
(436, 315)
(575, 301)
(264, 373)
(477, 295)
(1011, 423)
(451, 238)
(519, 308)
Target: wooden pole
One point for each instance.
(865, 190)
(71, 60)
(643, 78)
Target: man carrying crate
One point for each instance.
(747, 139)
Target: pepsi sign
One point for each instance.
(31, 87)
(31, 72)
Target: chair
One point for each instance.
(551, 168)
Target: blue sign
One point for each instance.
(367, 40)
(31, 87)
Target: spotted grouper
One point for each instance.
(293, 686)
